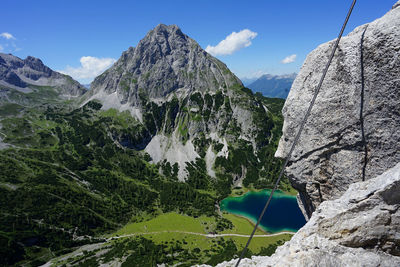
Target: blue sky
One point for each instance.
(65, 34)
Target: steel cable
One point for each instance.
(296, 139)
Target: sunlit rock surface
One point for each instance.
(353, 133)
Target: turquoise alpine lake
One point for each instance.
(283, 213)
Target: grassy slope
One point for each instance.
(203, 225)
(162, 231)
(171, 221)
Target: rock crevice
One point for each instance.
(363, 139)
(353, 132)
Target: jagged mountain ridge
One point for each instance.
(273, 85)
(20, 77)
(185, 98)
(164, 61)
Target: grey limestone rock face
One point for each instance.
(24, 75)
(353, 133)
(164, 61)
(361, 228)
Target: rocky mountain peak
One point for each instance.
(37, 64)
(164, 40)
(166, 60)
(29, 74)
(167, 29)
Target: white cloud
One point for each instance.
(289, 59)
(9, 44)
(232, 43)
(89, 69)
(7, 35)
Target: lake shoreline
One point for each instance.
(250, 221)
(259, 227)
(245, 190)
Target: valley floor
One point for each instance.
(173, 229)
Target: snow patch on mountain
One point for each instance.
(162, 147)
(210, 160)
(112, 101)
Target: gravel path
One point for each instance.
(194, 233)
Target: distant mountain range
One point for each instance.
(273, 85)
(28, 81)
(246, 81)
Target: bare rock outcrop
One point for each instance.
(165, 61)
(353, 133)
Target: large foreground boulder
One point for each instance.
(353, 133)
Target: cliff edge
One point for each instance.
(353, 132)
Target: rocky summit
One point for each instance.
(165, 61)
(353, 133)
(19, 77)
